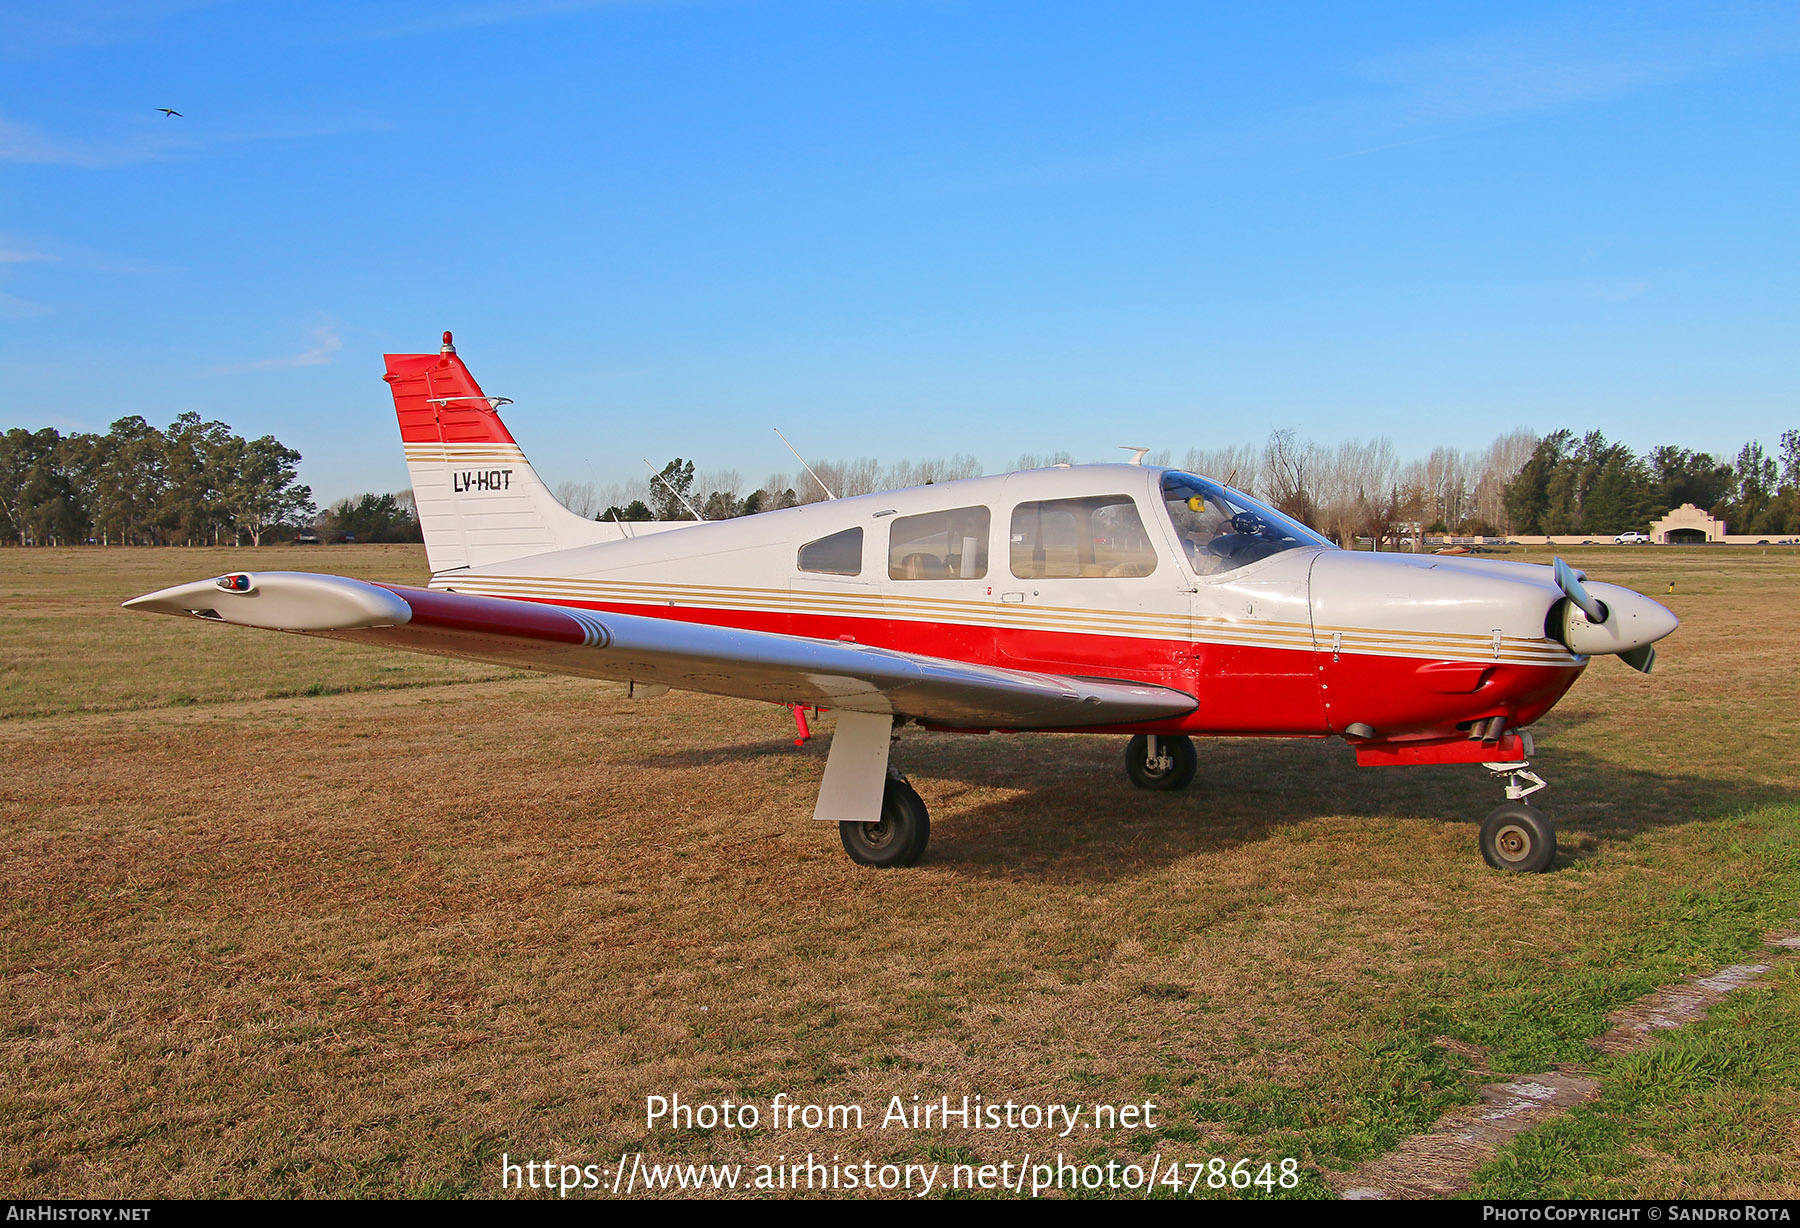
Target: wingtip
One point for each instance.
(163, 601)
(283, 601)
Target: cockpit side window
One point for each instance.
(1101, 535)
(1222, 529)
(837, 555)
(948, 545)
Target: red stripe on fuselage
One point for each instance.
(1242, 690)
(1394, 696)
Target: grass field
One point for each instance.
(292, 918)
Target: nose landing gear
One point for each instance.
(1517, 836)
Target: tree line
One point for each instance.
(193, 483)
(198, 482)
(679, 490)
(373, 518)
(1351, 489)
(1518, 484)
(1589, 485)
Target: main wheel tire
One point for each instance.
(1184, 761)
(1519, 838)
(898, 839)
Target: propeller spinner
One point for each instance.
(1607, 619)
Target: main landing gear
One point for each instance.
(1161, 761)
(880, 818)
(1517, 836)
(899, 837)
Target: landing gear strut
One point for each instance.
(1517, 836)
(1161, 761)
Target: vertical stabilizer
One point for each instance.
(479, 499)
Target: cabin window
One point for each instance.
(1097, 536)
(950, 545)
(837, 555)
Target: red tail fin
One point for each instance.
(479, 500)
(438, 401)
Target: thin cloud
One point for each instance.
(142, 140)
(20, 142)
(1453, 87)
(1433, 91)
(31, 30)
(47, 249)
(1614, 291)
(439, 19)
(1543, 65)
(326, 344)
(12, 307)
(1383, 148)
(67, 424)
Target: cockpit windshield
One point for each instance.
(1222, 530)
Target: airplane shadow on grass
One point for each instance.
(1070, 812)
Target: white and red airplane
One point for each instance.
(1121, 599)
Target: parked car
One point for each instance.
(1632, 538)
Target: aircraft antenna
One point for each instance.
(665, 481)
(1137, 454)
(805, 466)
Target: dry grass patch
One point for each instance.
(69, 647)
(363, 943)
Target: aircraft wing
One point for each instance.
(688, 656)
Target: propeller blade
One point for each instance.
(1643, 660)
(1572, 588)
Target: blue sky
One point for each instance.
(903, 228)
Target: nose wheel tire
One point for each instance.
(1519, 838)
(1171, 768)
(898, 839)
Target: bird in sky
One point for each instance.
(171, 114)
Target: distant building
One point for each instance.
(1687, 525)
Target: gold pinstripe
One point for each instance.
(1257, 633)
(459, 453)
